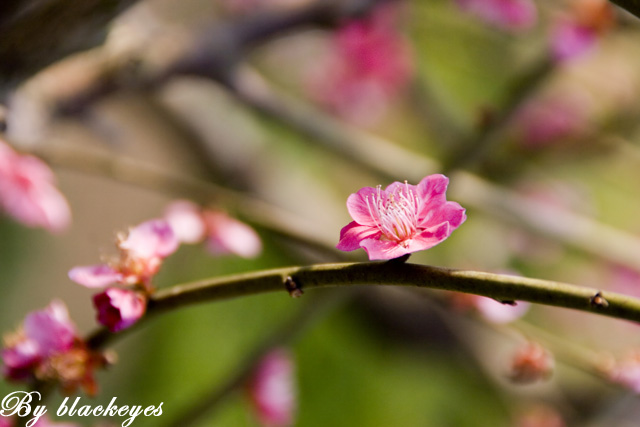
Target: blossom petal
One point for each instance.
(119, 309)
(570, 40)
(272, 389)
(151, 239)
(95, 276)
(450, 212)
(51, 328)
(383, 249)
(353, 233)
(186, 221)
(358, 205)
(230, 236)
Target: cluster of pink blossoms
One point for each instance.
(47, 348)
(141, 255)
(28, 191)
(128, 279)
(401, 219)
(271, 389)
(369, 65)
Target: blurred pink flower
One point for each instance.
(142, 252)
(224, 234)
(578, 31)
(626, 371)
(531, 363)
(272, 390)
(185, 218)
(370, 64)
(400, 219)
(28, 191)
(544, 120)
(44, 332)
(47, 347)
(141, 255)
(491, 310)
(497, 312)
(510, 15)
(118, 308)
(540, 416)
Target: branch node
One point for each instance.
(599, 301)
(293, 287)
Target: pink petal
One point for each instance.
(95, 276)
(383, 249)
(429, 238)
(51, 328)
(570, 39)
(272, 389)
(358, 205)
(230, 236)
(151, 239)
(450, 212)
(186, 221)
(28, 192)
(20, 359)
(353, 234)
(119, 309)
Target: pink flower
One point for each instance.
(510, 15)
(186, 221)
(223, 234)
(400, 219)
(271, 389)
(531, 363)
(44, 332)
(576, 33)
(571, 39)
(545, 120)
(48, 348)
(28, 191)
(118, 309)
(227, 235)
(141, 255)
(626, 371)
(369, 65)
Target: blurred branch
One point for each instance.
(631, 6)
(481, 145)
(214, 55)
(134, 172)
(394, 162)
(36, 33)
(500, 287)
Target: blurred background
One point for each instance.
(530, 109)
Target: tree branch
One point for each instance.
(497, 286)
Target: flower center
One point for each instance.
(395, 215)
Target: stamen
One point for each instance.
(397, 216)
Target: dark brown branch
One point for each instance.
(36, 33)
